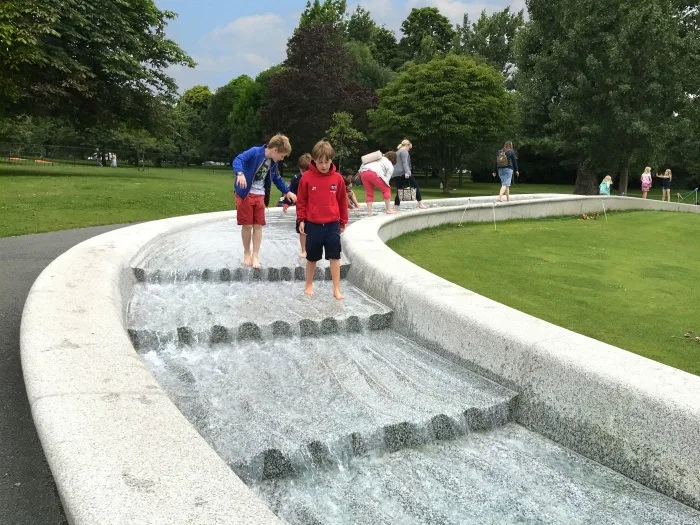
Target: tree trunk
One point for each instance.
(461, 176)
(586, 182)
(624, 178)
(445, 178)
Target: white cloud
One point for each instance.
(244, 46)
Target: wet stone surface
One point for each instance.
(505, 476)
(288, 405)
(220, 312)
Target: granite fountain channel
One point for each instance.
(331, 416)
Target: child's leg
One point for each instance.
(508, 193)
(257, 240)
(310, 270)
(314, 252)
(302, 242)
(335, 276)
(246, 236)
(367, 183)
(258, 204)
(500, 193)
(386, 194)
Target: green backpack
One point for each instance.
(502, 159)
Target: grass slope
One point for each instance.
(631, 282)
(49, 198)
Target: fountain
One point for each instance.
(401, 404)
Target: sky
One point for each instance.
(228, 38)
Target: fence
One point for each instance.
(51, 155)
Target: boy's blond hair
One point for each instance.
(323, 150)
(304, 162)
(280, 143)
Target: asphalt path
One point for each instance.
(28, 494)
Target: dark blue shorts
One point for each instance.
(320, 237)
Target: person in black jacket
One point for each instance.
(302, 165)
(506, 163)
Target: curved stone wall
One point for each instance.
(121, 452)
(627, 412)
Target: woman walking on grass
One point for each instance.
(403, 174)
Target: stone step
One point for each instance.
(210, 313)
(238, 274)
(508, 475)
(287, 406)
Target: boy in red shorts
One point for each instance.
(255, 171)
(322, 212)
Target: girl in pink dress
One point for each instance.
(646, 182)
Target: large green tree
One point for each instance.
(317, 81)
(189, 124)
(218, 117)
(85, 60)
(328, 12)
(492, 37)
(425, 28)
(602, 78)
(244, 119)
(448, 107)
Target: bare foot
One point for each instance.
(309, 289)
(302, 255)
(247, 260)
(256, 264)
(422, 206)
(338, 295)
(390, 212)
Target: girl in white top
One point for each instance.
(377, 175)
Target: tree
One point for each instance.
(492, 37)
(384, 48)
(224, 100)
(448, 107)
(190, 126)
(346, 140)
(330, 12)
(360, 26)
(317, 81)
(369, 73)
(422, 23)
(86, 60)
(601, 78)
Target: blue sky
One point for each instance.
(232, 38)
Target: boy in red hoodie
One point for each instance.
(322, 212)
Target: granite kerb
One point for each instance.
(119, 450)
(631, 414)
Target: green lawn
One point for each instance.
(49, 198)
(631, 282)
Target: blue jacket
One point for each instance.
(293, 187)
(512, 161)
(248, 162)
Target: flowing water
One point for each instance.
(334, 418)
